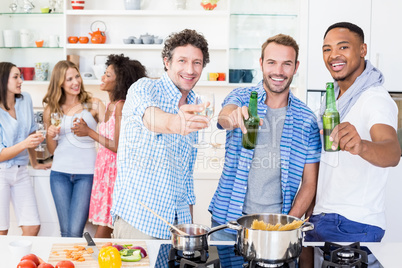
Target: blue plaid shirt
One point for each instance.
(154, 168)
(300, 144)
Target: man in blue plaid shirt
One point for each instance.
(155, 160)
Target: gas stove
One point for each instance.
(330, 255)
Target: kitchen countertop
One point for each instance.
(41, 246)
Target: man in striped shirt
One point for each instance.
(280, 174)
(155, 160)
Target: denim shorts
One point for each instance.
(333, 227)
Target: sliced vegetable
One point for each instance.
(119, 247)
(143, 251)
(131, 255)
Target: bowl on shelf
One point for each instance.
(158, 40)
(137, 41)
(83, 39)
(44, 9)
(72, 39)
(128, 41)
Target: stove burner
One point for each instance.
(344, 256)
(199, 258)
(260, 264)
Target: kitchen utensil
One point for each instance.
(45, 9)
(78, 4)
(28, 73)
(162, 219)
(132, 4)
(26, 37)
(92, 245)
(39, 43)
(83, 39)
(98, 36)
(19, 248)
(272, 246)
(196, 239)
(128, 41)
(72, 39)
(13, 6)
(41, 71)
(28, 6)
(54, 40)
(248, 75)
(10, 38)
(58, 253)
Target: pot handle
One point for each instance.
(217, 228)
(235, 225)
(307, 226)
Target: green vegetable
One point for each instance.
(130, 255)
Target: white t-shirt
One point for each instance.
(349, 185)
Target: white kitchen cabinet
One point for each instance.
(385, 39)
(322, 14)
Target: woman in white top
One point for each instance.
(18, 140)
(74, 157)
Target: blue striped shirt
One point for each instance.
(300, 144)
(154, 168)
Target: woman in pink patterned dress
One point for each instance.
(120, 74)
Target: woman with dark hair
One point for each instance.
(74, 157)
(18, 140)
(120, 74)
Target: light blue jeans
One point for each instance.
(336, 228)
(71, 195)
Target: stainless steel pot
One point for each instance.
(268, 246)
(197, 238)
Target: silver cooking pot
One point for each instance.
(197, 238)
(268, 246)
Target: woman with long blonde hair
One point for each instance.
(74, 157)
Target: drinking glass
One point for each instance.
(205, 98)
(41, 128)
(215, 146)
(55, 119)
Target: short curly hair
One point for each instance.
(127, 72)
(183, 38)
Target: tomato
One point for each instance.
(64, 264)
(45, 265)
(26, 264)
(31, 257)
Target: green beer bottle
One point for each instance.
(252, 123)
(330, 118)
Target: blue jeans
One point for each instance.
(71, 195)
(336, 228)
(222, 235)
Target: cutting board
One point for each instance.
(58, 253)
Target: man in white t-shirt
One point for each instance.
(350, 201)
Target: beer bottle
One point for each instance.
(252, 123)
(330, 118)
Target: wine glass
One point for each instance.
(41, 128)
(55, 119)
(215, 146)
(205, 98)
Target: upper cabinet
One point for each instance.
(252, 23)
(385, 38)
